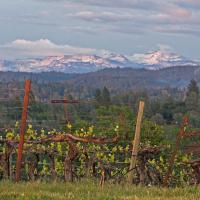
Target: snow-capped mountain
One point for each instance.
(162, 59)
(67, 63)
(115, 57)
(89, 63)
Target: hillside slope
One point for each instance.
(116, 80)
(127, 79)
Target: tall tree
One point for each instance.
(192, 96)
(193, 87)
(97, 96)
(106, 100)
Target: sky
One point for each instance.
(56, 27)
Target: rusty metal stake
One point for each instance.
(22, 129)
(67, 118)
(176, 148)
(65, 101)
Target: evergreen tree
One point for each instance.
(193, 87)
(97, 96)
(106, 97)
(192, 96)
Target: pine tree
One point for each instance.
(97, 96)
(192, 96)
(192, 87)
(106, 97)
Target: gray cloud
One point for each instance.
(122, 15)
(95, 22)
(131, 4)
(178, 30)
(102, 16)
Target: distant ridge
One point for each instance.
(116, 79)
(91, 63)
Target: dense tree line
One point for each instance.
(166, 106)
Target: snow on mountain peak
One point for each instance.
(161, 59)
(156, 57)
(82, 63)
(115, 57)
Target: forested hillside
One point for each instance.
(6, 77)
(164, 91)
(117, 80)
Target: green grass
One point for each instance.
(91, 191)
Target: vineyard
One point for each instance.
(31, 150)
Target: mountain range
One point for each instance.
(90, 63)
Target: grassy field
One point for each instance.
(91, 191)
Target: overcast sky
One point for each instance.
(54, 27)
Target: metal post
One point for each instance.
(22, 129)
(66, 102)
(67, 118)
(176, 148)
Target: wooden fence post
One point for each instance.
(22, 129)
(136, 142)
